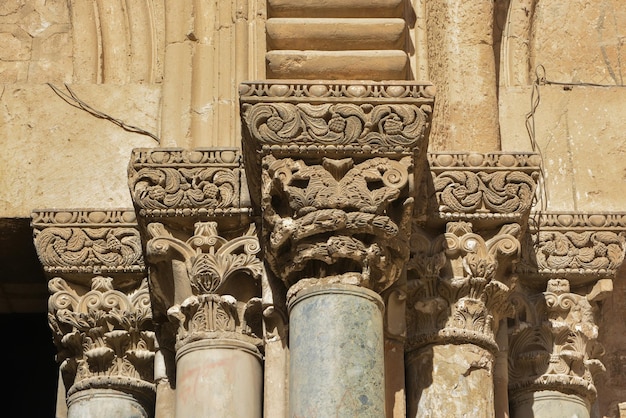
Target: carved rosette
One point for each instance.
(81, 243)
(553, 343)
(496, 187)
(459, 284)
(332, 168)
(167, 182)
(217, 281)
(581, 247)
(104, 337)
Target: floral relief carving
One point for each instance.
(553, 342)
(342, 124)
(104, 337)
(493, 185)
(457, 289)
(589, 250)
(579, 247)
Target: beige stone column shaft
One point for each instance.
(462, 67)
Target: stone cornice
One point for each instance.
(581, 247)
(200, 183)
(84, 242)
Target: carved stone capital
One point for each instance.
(104, 336)
(79, 244)
(581, 247)
(207, 285)
(553, 342)
(458, 284)
(490, 188)
(332, 169)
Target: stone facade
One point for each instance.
(390, 208)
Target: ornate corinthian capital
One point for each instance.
(553, 343)
(332, 168)
(216, 282)
(104, 337)
(458, 284)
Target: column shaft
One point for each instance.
(450, 380)
(219, 379)
(105, 403)
(337, 353)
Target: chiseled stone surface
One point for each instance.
(173, 69)
(337, 354)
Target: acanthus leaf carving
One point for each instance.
(105, 337)
(218, 286)
(553, 340)
(456, 288)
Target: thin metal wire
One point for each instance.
(73, 100)
(541, 197)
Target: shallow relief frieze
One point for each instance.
(88, 241)
(582, 247)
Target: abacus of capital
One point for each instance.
(330, 266)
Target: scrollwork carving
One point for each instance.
(490, 186)
(88, 241)
(578, 246)
(394, 126)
